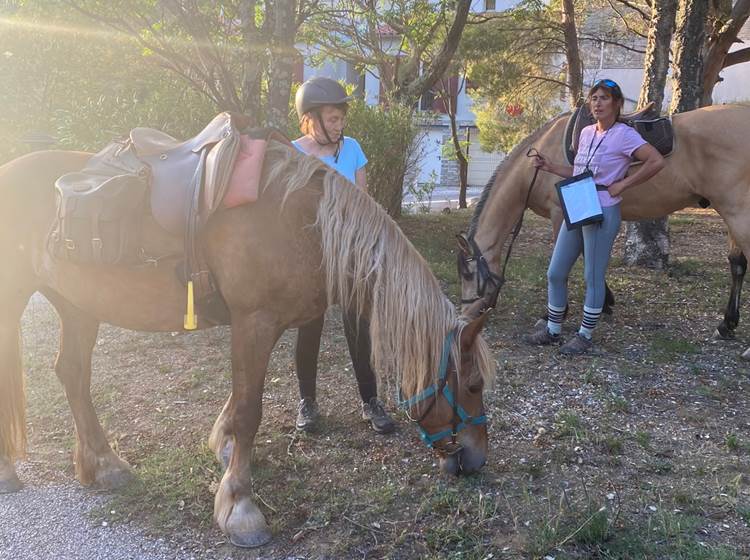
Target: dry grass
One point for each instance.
(640, 452)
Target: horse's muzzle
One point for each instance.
(466, 460)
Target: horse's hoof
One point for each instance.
(723, 334)
(252, 540)
(246, 525)
(114, 479)
(10, 485)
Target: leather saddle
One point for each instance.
(656, 130)
(185, 182)
(179, 169)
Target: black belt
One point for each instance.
(602, 187)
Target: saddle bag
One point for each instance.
(100, 209)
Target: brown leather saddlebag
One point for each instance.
(100, 209)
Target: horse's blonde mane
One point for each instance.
(369, 264)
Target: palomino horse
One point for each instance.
(310, 239)
(709, 162)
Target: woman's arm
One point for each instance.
(561, 169)
(360, 178)
(653, 162)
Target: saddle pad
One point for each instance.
(244, 183)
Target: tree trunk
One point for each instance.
(463, 163)
(572, 52)
(719, 44)
(647, 241)
(252, 68)
(687, 78)
(407, 92)
(281, 63)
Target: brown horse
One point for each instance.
(310, 240)
(709, 162)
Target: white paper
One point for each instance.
(581, 200)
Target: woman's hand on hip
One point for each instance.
(617, 188)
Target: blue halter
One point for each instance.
(460, 419)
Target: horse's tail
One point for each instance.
(12, 396)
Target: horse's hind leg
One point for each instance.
(737, 267)
(96, 464)
(12, 397)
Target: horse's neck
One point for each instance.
(504, 207)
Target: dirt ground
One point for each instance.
(639, 451)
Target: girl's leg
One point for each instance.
(598, 240)
(567, 248)
(306, 356)
(306, 359)
(357, 332)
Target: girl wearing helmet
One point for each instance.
(321, 105)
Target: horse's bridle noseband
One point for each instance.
(460, 418)
(485, 277)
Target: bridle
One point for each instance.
(460, 420)
(484, 276)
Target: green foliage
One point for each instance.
(511, 64)
(84, 85)
(388, 138)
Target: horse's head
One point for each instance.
(450, 413)
(478, 282)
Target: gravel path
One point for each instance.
(45, 521)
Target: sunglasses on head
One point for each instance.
(607, 82)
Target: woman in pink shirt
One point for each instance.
(607, 149)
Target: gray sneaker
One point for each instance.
(577, 345)
(374, 412)
(541, 337)
(307, 415)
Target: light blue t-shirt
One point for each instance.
(351, 158)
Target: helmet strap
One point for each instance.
(328, 141)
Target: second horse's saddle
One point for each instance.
(656, 130)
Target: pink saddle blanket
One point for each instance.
(244, 183)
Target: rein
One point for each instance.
(485, 277)
(460, 418)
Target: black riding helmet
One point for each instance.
(314, 94)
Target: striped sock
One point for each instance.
(590, 318)
(555, 318)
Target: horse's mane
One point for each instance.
(521, 146)
(370, 264)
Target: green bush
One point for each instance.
(388, 137)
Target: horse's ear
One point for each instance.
(463, 243)
(477, 315)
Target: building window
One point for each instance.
(490, 5)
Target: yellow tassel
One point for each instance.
(191, 319)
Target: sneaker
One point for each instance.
(307, 415)
(577, 345)
(381, 422)
(541, 337)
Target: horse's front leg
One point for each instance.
(220, 441)
(737, 267)
(253, 339)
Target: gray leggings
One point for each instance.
(596, 241)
